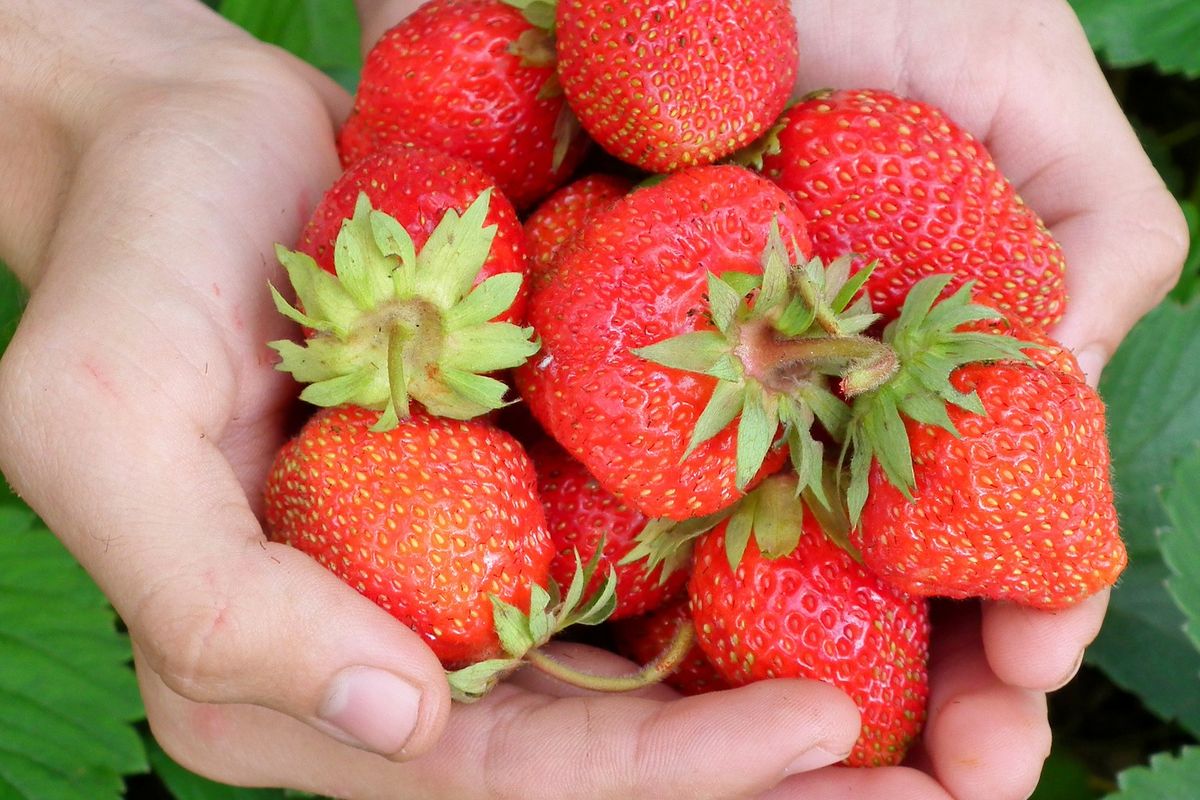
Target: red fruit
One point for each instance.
(417, 186)
(472, 78)
(642, 638)
(817, 613)
(896, 180)
(636, 276)
(578, 514)
(1017, 507)
(426, 519)
(562, 215)
(667, 84)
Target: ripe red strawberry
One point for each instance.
(428, 275)
(637, 276)
(896, 180)
(664, 84)
(417, 186)
(475, 79)
(578, 515)
(1006, 494)
(426, 519)
(563, 214)
(815, 613)
(641, 638)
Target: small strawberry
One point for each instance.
(475, 79)
(982, 479)
(640, 638)
(563, 214)
(667, 84)
(581, 516)
(679, 339)
(421, 302)
(895, 180)
(427, 520)
(812, 612)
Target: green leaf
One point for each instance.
(1188, 286)
(1064, 778)
(68, 697)
(1161, 32)
(1169, 777)
(187, 785)
(1181, 542)
(325, 33)
(1152, 388)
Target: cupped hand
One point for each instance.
(155, 155)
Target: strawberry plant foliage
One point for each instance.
(1159, 32)
(325, 33)
(68, 697)
(1168, 777)
(1181, 543)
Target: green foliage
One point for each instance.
(1181, 543)
(1152, 388)
(1167, 778)
(325, 33)
(1065, 778)
(187, 785)
(1159, 32)
(68, 698)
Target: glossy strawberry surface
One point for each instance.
(563, 214)
(643, 638)
(417, 186)
(579, 514)
(1018, 507)
(469, 77)
(667, 84)
(635, 276)
(817, 613)
(426, 520)
(896, 180)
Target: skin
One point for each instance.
(153, 156)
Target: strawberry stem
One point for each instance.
(655, 671)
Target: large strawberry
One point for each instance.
(428, 278)
(563, 214)
(427, 519)
(812, 612)
(667, 84)
(986, 478)
(582, 518)
(472, 78)
(896, 180)
(678, 334)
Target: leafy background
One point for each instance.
(71, 723)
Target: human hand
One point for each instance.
(1023, 79)
(154, 155)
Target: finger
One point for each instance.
(1040, 650)
(737, 743)
(844, 783)
(984, 738)
(590, 660)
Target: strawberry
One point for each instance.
(812, 612)
(581, 516)
(475, 79)
(563, 214)
(640, 638)
(982, 479)
(664, 84)
(895, 180)
(426, 519)
(425, 289)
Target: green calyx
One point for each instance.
(928, 346)
(394, 325)
(779, 339)
(669, 543)
(538, 13)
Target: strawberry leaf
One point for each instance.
(1168, 777)
(1181, 542)
(1162, 32)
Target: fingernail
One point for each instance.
(1092, 360)
(372, 708)
(1070, 675)
(813, 758)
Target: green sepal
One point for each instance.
(755, 433)
(669, 542)
(697, 351)
(773, 514)
(515, 629)
(775, 264)
(751, 156)
(395, 326)
(739, 528)
(723, 302)
(471, 684)
(539, 13)
(566, 129)
(722, 409)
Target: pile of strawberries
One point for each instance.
(787, 365)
